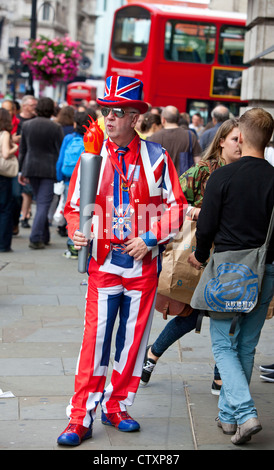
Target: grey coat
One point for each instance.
(39, 148)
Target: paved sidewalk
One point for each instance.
(41, 325)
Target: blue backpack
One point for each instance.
(72, 153)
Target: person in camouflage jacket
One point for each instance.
(219, 153)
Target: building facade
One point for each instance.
(55, 18)
(257, 86)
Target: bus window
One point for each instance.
(231, 45)
(205, 108)
(201, 107)
(131, 35)
(190, 42)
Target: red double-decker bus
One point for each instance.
(78, 92)
(187, 57)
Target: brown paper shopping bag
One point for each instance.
(178, 279)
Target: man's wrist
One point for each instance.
(149, 238)
(200, 257)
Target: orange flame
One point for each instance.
(93, 137)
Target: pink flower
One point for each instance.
(52, 60)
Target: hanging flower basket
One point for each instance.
(52, 60)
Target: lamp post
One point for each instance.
(33, 28)
(16, 72)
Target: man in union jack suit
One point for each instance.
(139, 208)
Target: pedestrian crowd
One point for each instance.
(218, 175)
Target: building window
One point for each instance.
(102, 61)
(46, 11)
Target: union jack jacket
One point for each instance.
(150, 205)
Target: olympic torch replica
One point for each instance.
(91, 161)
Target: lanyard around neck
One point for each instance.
(118, 164)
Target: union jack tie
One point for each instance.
(121, 219)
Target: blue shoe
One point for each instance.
(121, 421)
(74, 434)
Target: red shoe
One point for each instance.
(121, 421)
(74, 434)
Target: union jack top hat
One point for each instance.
(124, 92)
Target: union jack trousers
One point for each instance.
(118, 285)
(130, 291)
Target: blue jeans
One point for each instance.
(16, 200)
(175, 329)
(43, 192)
(234, 356)
(5, 213)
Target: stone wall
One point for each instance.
(257, 86)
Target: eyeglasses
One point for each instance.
(117, 112)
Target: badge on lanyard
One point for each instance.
(122, 210)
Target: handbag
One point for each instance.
(168, 306)
(8, 166)
(231, 283)
(58, 215)
(178, 279)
